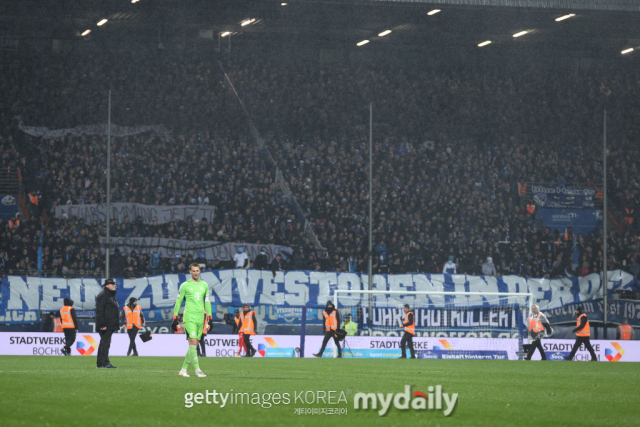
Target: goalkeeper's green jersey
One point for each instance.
(196, 296)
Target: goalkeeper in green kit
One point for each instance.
(196, 294)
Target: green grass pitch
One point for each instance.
(146, 391)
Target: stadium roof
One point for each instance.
(597, 27)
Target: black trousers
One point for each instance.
(202, 348)
(327, 336)
(533, 344)
(133, 333)
(247, 343)
(587, 343)
(103, 348)
(407, 339)
(69, 338)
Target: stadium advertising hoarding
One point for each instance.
(50, 344)
(304, 288)
(175, 345)
(606, 350)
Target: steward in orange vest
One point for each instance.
(538, 323)
(583, 334)
(134, 321)
(625, 332)
(69, 325)
(331, 319)
(248, 327)
(409, 326)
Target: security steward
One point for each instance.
(625, 331)
(583, 332)
(107, 313)
(134, 321)
(409, 326)
(331, 319)
(69, 322)
(350, 327)
(249, 325)
(538, 323)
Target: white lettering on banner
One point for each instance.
(295, 286)
(20, 290)
(51, 294)
(117, 131)
(170, 248)
(217, 289)
(148, 213)
(324, 282)
(311, 288)
(270, 294)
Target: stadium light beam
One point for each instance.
(283, 4)
(433, 12)
(246, 22)
(85, 32)
(562, 18)
(363, 42)
(520, 34)
(485, 43)
(225, 34)
(102, 22)
(384, 33)
(624, 52)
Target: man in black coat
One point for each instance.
(107, 314)
(48, 322)
(261, 262)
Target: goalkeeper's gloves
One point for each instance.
(174, 324)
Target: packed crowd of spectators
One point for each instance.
(449, 149)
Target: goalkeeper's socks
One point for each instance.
(194, 353)
(187, 359)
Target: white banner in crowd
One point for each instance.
(304, 288)
(117, 131)
(606, 351)
(169, 248)
(148, 213)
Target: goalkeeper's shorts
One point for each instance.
(193, 329)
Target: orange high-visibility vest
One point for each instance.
(522, 189)
(33, 199)
(531, 208)
(628, 219)
(65, 317)
(535, 325)
(411, 328)
(331, 321)
(13, 223)
(57, 325)
(586, 331)
(132, 317)
(247, 323)
(625, 332)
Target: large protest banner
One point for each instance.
(302, 289)
(148, 213)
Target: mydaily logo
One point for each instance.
(418, 401)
